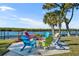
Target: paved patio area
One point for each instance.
(15, 51)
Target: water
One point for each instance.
(13, 34)
(8, 34)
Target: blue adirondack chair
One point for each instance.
(27, 42)
(46, 35)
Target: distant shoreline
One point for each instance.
(32, 29)
(14, 34)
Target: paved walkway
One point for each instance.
(15, 51)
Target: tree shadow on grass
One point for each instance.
(69, 44)
(65, 40)
(73, 44)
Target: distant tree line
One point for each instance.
(32, 29)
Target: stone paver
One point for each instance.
(16, 47)
(10, 53)
(53, 52)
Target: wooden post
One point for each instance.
(18, 36)
(8, 34)
(4, 35)
(1, 35)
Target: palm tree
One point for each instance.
(52, 18)
(50, 6)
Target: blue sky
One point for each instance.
(28, 15)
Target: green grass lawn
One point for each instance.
(73, 43)
(4, 45)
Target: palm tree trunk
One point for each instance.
(68, 31)
(67, 24)
(60, 28)
(71, 15)
(53, 32)
(59, 31)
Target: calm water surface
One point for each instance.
(12, 34)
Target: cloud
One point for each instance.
(6, 8)
(15, 16)
(24, 22)
(20, 22)
(30, 23)
(74, 24)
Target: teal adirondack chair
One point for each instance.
(27, 42)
